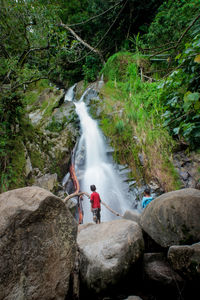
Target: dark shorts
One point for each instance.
(96, 214)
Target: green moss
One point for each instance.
(93, 108)
(27, 130)
(18, 164)
(31, 97)
(44, 105)
(41, 85)
(36, 160)
(54, 126)
(57, 164)
(34, 91)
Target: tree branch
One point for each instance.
(151, 49)
(94, 17)
(26, 53)
(78, 38)
(179, 40)
(91, 48)
(27, 82)
(88, 195)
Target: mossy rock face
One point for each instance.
(173, 218)
(43, 107)
(80, 87)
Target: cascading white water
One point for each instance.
(70, 93)
(97, 169)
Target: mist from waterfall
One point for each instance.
(96, 168)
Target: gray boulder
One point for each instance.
(132, 215)
(157, 270)
(186, 260)
(37, 245)
(173, 218)
(107, 252)
(47, 182)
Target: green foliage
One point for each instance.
(133, 120)
(91, 68)
(31, 97)
(18, 163)
(181, 96)
(171, 20)
(33, 46)
(119, 126)
(115, 68)
(13, 154)
(56, 126)
(36, 160)
(123, 67)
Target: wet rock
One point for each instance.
(107, 252)
(187, 166)
(124, 171)
(173, 218)
(37, 245)
(132, 183)
(65, 111)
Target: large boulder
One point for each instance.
(107, 252)
(186, 260)
(158, 271)
(37, 245)
(173, 218)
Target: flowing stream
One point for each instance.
(70, 93)
(94, 165)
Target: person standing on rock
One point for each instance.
(147, 198)
(95, 205)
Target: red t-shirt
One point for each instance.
(95, 200)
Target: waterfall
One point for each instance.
(69, 96)
(93, 166)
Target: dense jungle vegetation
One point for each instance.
(148, 51)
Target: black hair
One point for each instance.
(147, 191)
(93, 187)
